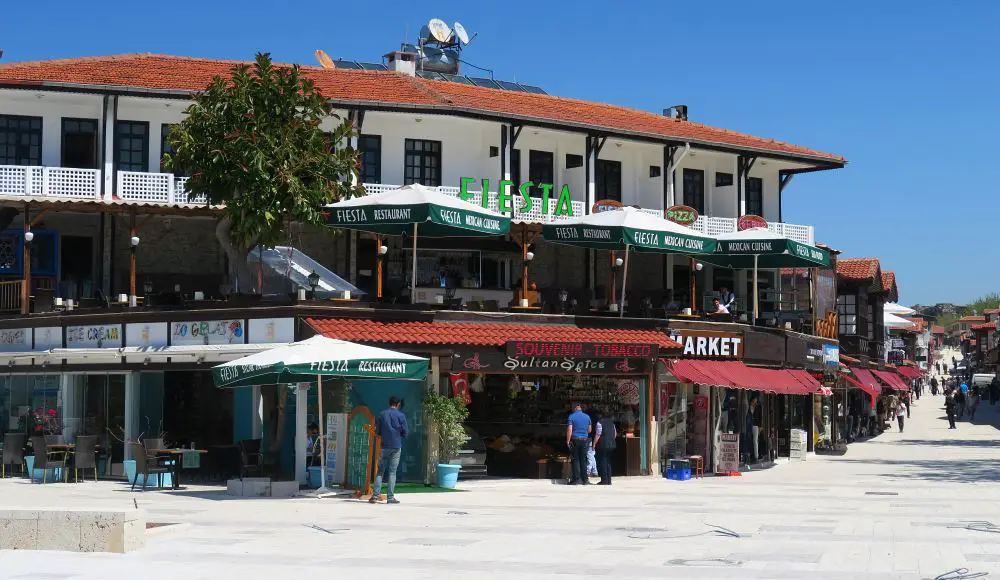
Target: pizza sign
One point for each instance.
(749, 222)
(681, 214)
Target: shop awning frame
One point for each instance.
(867, 379)
(910, 372)
(873, 391)
(893, 380)
(736, 375)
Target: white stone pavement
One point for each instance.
(826, 518)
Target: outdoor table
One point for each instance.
(178, 457)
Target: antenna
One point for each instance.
(439, 30)
(324, 59)
(460, 33)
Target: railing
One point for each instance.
(59, 182)
(10, 296)
(165, 188)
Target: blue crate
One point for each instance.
(679, 474)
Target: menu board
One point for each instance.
(729, 453)
(360, 434)
(336, 438)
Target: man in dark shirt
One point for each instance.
(390, 425)
(604, 446)
(578, 441)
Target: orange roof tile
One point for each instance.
(972, 319)
(478, 334)
(357, 87)
(991, 311)
(888, 281)
(984, 326)
(858, 268)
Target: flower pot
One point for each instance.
(447, 475)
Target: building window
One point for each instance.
(79, 143)
(541, 169)
(165, 146)
(847, 314)
(573, 161)
(423, 162)
(723, 179)
(609, 179)
(694, 189)
(515, 168)
(370, 150)
(20, 140)
(132, 145)
(755, 196)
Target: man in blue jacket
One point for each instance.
(390, 425)
(578, 427)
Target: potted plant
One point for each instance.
(447, 415)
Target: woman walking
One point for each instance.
(900, 413)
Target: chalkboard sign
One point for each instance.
(360, 444)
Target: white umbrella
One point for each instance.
(893, 321)
(893, 308)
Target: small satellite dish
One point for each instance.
(460, 32)
(439, 30)
(324, 59)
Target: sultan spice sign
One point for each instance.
(555, 360)
(709, 343)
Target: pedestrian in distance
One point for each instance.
(391, 426)
(578, 428)
(604, 445)
(949, 407)
(900, 413)
(973, 402)
(934, 385)
(960, 403)
(994, 390)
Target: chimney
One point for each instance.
(404, 62)
(679, 112)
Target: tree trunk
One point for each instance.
(239, 271)
(274, 399)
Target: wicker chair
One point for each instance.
(145, 466)
(13, 452)
(85, 456)
(46, 459)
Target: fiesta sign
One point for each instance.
(505, 200)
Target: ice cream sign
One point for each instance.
(509, 194)
(95, 336)
(207, 332)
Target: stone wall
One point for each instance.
(72, 529)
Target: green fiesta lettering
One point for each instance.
(505, 200)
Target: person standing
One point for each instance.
(390, 425)
(960, 402)
(949, 407)
(973, 402)
(900, 413)
(934, 384)
(578, 428)
(604, 445)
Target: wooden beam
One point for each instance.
(26, 263)
(37, 218)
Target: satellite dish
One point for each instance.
(324, 59)
(439, 30)
(460, 32)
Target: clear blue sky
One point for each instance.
(907, 91)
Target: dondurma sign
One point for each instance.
(505, 199)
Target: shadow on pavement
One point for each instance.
(938, 470)
(950, 442)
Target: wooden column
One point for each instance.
(378, 267)
(694, 299)
(132, 233)
(26, 261)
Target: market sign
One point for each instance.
(750, 221)
(495, 361)
(684, 215)
(553, 349)
(708, 343)
(505, 200)
(603, 205)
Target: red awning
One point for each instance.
(808, 381)
(865, 378)
(893, 380)
(873, 391)
(910, 372)
(736, 375)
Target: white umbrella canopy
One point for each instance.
(893, 308)
(893, 321)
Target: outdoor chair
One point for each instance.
(13, 452)
(85, 456)
(146, 465)
(46, 459)
(251, 457)
(151, 444)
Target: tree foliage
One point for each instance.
(254, 142)
(448, 415)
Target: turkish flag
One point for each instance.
(460, 386)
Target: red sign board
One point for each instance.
(545, 349)
(606, 205)
(748, 222)
(681, 214)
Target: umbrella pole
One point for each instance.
(621, 306)
(755, 293)
(413, 277)
(322, 433)
(378, 267)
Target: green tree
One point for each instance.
(254, 143)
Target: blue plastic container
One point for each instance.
(447, 475)
(315, 477)
(679, 474)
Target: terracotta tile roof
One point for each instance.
(858, 268)
(991, 311)
(478, 334)
(889, 281)
(972, 319)
(936, 329)
(984, 326)
(344, 86)
(919, 324)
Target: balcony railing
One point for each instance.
(59, 182)
(165, 188)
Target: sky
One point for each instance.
(906, 91)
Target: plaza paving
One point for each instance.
(897, 506)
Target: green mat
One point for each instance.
(420, 488)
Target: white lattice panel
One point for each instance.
(182, 195)
(146, 187)
(72, 183)
(717, 225)
(13, 180)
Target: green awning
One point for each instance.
(616, 229)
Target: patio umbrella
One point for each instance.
(315, 358)
(761, 248)
(416, 210)
(893, 321)
(626, 229)
(893, 308)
